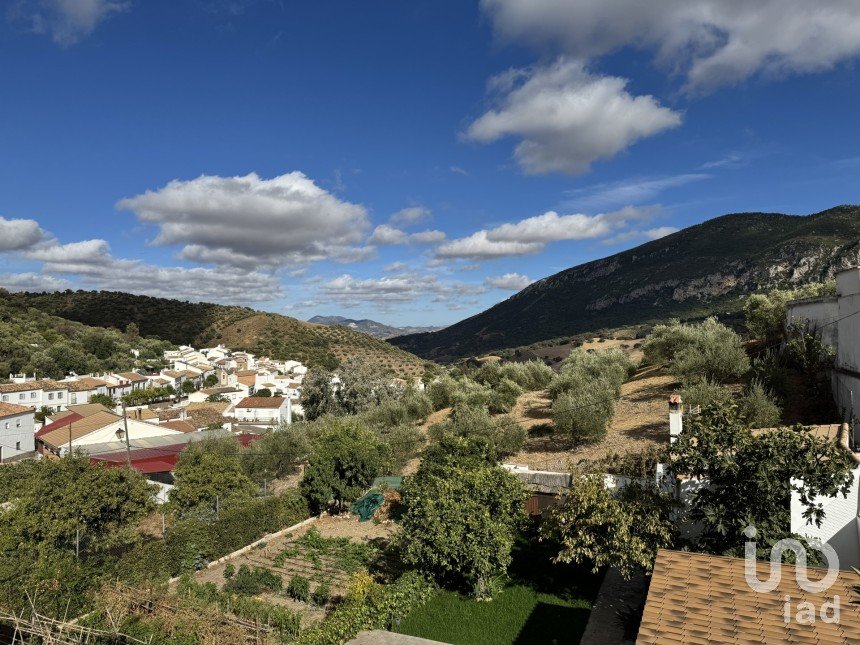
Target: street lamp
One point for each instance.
(122, 433)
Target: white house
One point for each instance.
(35, 393)
(17, 430)
(97, 428)
(83, 388)
(263, 410)
(838, 319)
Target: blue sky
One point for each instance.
(410, 162)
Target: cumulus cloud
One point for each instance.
(567, 118)
(66, 21)
(478, 246)
(385, 234)
(249, 221)
(712, 42)
(395, 267)
(508, 282)
(530, 235)
(32, 282)
(18, 234)
(411, 215)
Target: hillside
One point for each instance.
(34, 341)
(203, 324)
(700, 270)
(370, 327)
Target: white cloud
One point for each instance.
(459, 171)
(411, 215)
(18, 234)
(478, 246)
(32, 282)
(249, 222)
(508, 282)
(530, 235)
(395, 267)
(711, 42)
(662, 231)
(567, 117)
(628, 191)
(67, 21)
(384, 234)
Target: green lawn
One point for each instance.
(542, 603)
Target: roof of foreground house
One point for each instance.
(77, 429)
(701, 598)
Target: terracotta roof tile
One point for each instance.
(261, 402)
(9, 409)
(700, 598)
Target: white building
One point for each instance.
(838, 320)
(262, 410)
(36, 393)
(17, 430)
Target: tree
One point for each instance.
(104, 400)
(362, 385)
(210, 381)
(317, 394)
(751, 477)
(766, 313)
(505, 434)
(264, 392)
(462, 515)
(132, 331)
(345, 459)
(621, 529)
(188, 387)
(708, 350)
(208, 470)
(217, 398)
(276, 454)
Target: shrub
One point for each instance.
(322, 594)
(248, 582)
(705, 394)
(299, 588)
(229, 570)
(758, 406)
(504, 434)
(403, 441)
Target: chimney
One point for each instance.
(676, 418)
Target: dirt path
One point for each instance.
(640, 421)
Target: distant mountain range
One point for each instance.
(370, 327)
(704, 269)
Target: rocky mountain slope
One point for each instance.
(700, 270)
(370, 327)
(203, 324)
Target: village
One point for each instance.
(617, 458)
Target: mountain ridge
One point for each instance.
(700, 270)
(371, 327)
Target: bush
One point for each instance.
(252, 582)
(322, 594)
(758, 406)
(229, 571)
(504, 434)
(299, 588)
(706, 394)
(403, 441)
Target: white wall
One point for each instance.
(820, 313)
(17, 434)
(839, 528)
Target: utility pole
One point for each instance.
(70, 437)
(127, 442)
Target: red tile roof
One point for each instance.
(261, 402)
(10, 409)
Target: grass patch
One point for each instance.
(541, 603)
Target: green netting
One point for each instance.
(392, 482)
(366, 506)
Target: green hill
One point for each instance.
(34, 341)
(701, 270)
(202, 324)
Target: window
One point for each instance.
(5, 397)
(32, 395)
(51, 396)
(17, 445)
(74, 398)
(59, 395)
(7, 425)
(21, 396)
(17, 423)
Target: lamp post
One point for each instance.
(123, 434)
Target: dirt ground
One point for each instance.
(641, 420)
